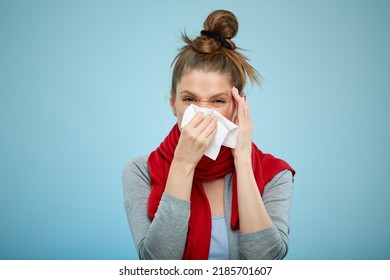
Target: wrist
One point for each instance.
(179, 181)
(182, 164)
(242, 155)
(243, 159)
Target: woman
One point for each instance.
(183, 205)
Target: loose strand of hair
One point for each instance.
(245, 69)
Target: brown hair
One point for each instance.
(208, 54)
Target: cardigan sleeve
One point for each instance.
(271, 243)
(165, 236)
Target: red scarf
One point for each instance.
(265, 167)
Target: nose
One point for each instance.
(204, 104)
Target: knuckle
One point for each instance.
(188, 133)
(192, 136)
(184, 131)
(202, 141)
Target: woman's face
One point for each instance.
(204, 89)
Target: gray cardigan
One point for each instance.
(165, 236)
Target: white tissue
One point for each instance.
(226, 130)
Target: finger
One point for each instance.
(204, 123)
(196, 120)
(236, 95)
(235, 105)
(211, 129)
(241, 110)
(240, 102)
(247, 111)
(234, 115)
(248, 117)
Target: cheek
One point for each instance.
(227, 111)
(179, 118)
(179, 115)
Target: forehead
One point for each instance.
(202, 83)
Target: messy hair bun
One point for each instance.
(222, 22)
(214, 50)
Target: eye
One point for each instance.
(188, 99)
(220, 101)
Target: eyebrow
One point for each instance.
(211, 97)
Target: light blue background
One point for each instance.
(84, 87)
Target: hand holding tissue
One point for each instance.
(226, 134)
